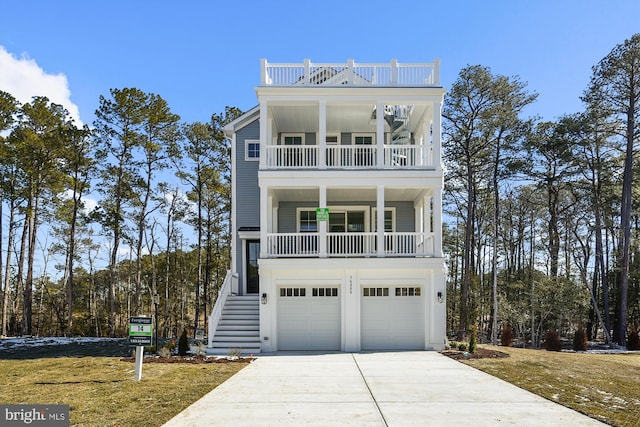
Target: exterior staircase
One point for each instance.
(238, 329)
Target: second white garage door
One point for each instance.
(393, 318)
(309, 318)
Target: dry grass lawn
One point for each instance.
(603, 386)
(102, 391)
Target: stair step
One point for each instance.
(240, 312)
(239, 322)
(234, 338)
(237, 328)
(237, 332)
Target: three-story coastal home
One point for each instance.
(336, 212)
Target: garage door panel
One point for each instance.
(309, 322)
(393, 322)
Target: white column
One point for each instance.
(264, 134)
(380, 220)
(264, 221)
(437, 222)
(322, 225)
(307, 71)
(380, 134)
(234, 231)
(426, 209)
(322, 134)
(437, 138)
(426, 145)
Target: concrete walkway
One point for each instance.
(370, 389)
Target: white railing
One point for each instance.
(229, 284)
(292, 156)
(408, 155)
(340, 156)
(408, 244)
(348, 156)
(389, 74)
(292, 244)
(349, 244)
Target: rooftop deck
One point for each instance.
(350, 74)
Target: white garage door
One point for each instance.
(309, 318)
(393, 318)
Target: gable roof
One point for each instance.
(242, 121)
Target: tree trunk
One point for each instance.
(7, 275)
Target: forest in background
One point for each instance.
(540, 233)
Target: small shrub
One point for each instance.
(171, 345)
(453, 344)
(150, 349)
(580, 340)
(506, 336)
(234, 353)
(552, 341)
(473, 340)
(183, 343)
(633, 340)
(164, 352)
(462, 347)
(201, 350)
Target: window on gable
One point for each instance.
(252, 149)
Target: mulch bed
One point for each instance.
(480, 353)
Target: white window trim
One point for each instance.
(298, 210)
(371, 134)
(334, 209)
(374, 220)
(246, 150)
(283, 135)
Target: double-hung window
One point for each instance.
(252, 149)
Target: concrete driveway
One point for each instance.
(370, 389)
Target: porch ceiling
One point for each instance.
(343, 195)
(340, 118)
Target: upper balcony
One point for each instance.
(392, 74)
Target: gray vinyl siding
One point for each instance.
(247, 190)
(287, 214)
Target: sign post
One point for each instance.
(140, 334)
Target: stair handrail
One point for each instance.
(216, 313)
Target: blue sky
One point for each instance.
(203, 55)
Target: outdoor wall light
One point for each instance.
(264, 298)
(440, 297)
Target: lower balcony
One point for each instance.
(288, 245)
(348, 156)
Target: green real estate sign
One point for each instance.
(322, 214)
(140, 331)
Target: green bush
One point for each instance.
(633, 340)
(580, 340)
(552, 341)
(506, 336)
(473, 340)
(183, 343)
(462, 347)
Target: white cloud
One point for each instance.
(23, 78)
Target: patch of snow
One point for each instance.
(31, 342)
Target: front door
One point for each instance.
(253, 278)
